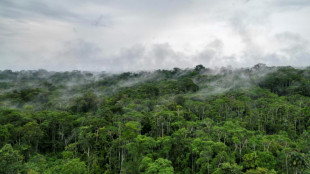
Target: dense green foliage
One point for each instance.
(254, 121)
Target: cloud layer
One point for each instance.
(116, 36)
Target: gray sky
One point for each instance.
(131, 35)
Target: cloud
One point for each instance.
(31, 9)
(124, 36)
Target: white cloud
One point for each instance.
(125, 36)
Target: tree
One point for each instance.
(228, 168)
(32, 134)
(37, 164)
(87, 102)
(74, 166)
(299, 162)
(259, 170)
(266, 160)
(159, 166)
(250, 160)
(10, 160)
(199, 68)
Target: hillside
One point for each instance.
(247, 120)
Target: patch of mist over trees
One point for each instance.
(201, 120)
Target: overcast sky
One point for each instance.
(132, 35)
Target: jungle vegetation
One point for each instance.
(200, 120)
